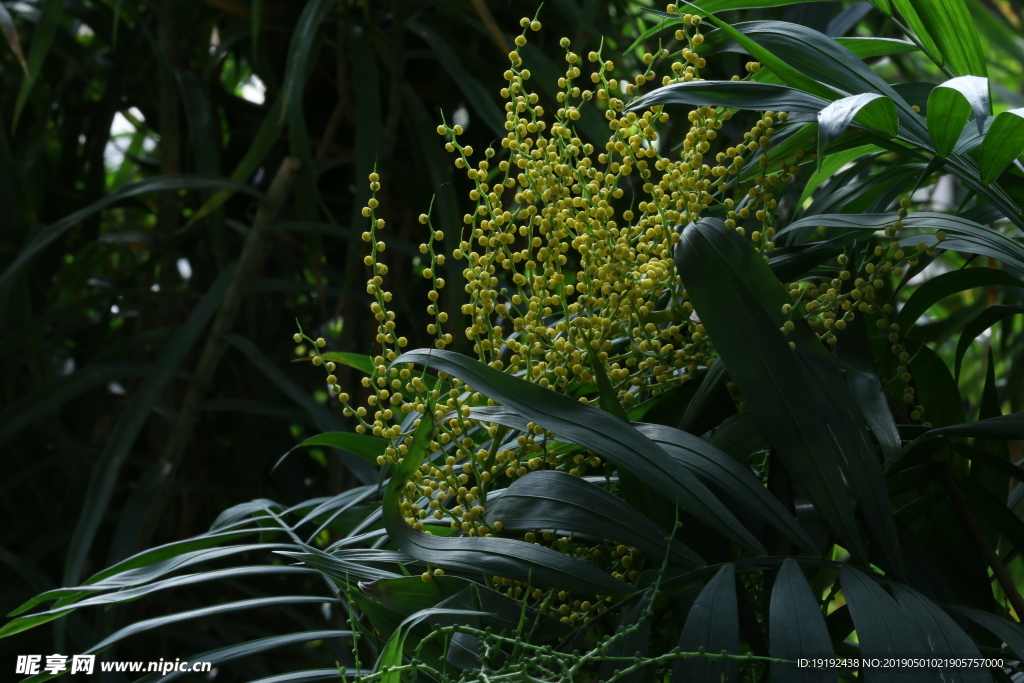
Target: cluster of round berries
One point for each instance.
(567, 289)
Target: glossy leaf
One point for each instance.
(738, 299)
(157, 622)
(941, 635)
(718, 467)
(584, 425)
(713, 624)
(882, 628)
(494, 556)
(978, 324)
(248, 649)
(796, 625)
(733, 94)
(948, 113)
(1009, 632)
(1003, 143)
(869, 109)
(557, 501)
(949, 25)
(936, 289)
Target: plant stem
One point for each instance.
(980, 539)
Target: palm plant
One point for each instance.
(708, 427)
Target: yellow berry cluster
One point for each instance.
(566, 287)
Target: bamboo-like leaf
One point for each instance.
(353, 360)
(796, 626)
(717, 466)
(714, 625)
(941, 635)
(1003, 143)
(157, 622)
(11, 34)
(590, 427)
(1009, 632)
(964, 234)
(495, 556)
(935, 289)
(948, 24)
(49, 397)
(477, 96)
(367, 447)
(42, 41)
(407, 595)
(869, 109)
(222, 655)
(557, 501)
(866, 47)
(733, 94)
(882, 628)
(46, 235)
(739, 300)
(948, 113)
(978, 324)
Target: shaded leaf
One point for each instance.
(796, 626)
(978, 324)
(713, 625)
(558, 501)
(592, 428)
(494, 556)
(735, 479)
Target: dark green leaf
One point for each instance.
(587, 426)
(157, 622)
(552, 500)
(739, 301)
(941, 635)
(1009, 632)
(493, 556)
(369, 448)
(248, 649)
(1004, 142)
(45, 235)
(714, 625)
(716, 466)
(978, 324)
(796, 626)
(42, 41)
(868, 109)
(882, 628)
(935, 289)
(733, 94)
